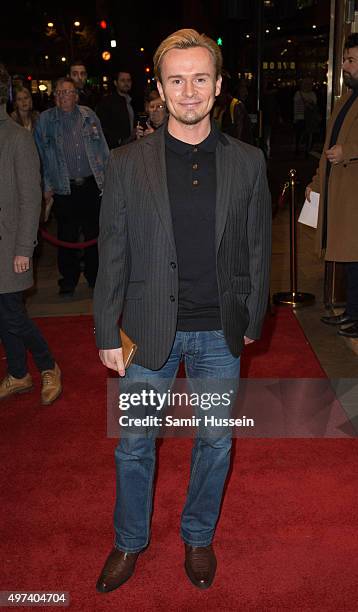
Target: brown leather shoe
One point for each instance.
(117, 569)
(200, 565)
(51, 385)
(10, 385)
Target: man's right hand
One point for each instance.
(113, 359)
(308, 193)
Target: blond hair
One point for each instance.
(187, 39)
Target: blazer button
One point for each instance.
(173, 264)
(172, 298)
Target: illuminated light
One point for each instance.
(46, 56)
(267, 31)
(149, 80)
(147, 69)
(314, 27)
(247, 35)
(141, 49)
(278, 28)
(105, 79)
(63, 59)
(219, 41)
(113, 43)
(103, 24)
(29, 78)
(289, 40)
(43, 87)
(76, 24)
(50, 24)
(106, 56)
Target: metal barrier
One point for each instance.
(293, 298)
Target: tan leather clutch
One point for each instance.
(129, 348)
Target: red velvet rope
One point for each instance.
(67, 245)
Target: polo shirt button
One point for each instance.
(172, 298)
(173, 264)
(195, 166)
(195, 150)
(195, 182)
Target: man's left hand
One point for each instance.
(21, 264)
(335, 154)
(248, 340)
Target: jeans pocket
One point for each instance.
(219, 333)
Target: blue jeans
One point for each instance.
(19, 334)
(206, 356)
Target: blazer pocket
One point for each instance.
(134, 290)
(241, 284)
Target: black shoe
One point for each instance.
(349, 332)
(66, 288)
(66, 291)
(342, 319)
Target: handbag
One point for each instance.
(129, 348)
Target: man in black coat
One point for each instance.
(116, 112)
(78, 73)
(185, 246)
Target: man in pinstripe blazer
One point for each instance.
(185, 235)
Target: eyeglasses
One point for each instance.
(65, 92)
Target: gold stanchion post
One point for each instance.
(293, 298)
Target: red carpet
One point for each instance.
(287, 538)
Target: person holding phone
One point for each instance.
(154, 117)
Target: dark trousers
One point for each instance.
(75, 213)
(351, 271)
(18, 333)
(302, 136)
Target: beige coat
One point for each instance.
(342, 228)
(20, 201)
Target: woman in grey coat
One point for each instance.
(20, 203)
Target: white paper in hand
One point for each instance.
(309, 212)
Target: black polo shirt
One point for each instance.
(191, 178)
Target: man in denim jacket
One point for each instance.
(74, 153)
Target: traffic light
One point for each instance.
(219, 41)
(103, 24)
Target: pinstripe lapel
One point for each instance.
(155, 166)
(224, 173)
